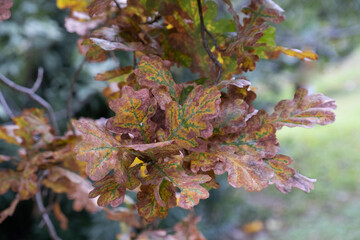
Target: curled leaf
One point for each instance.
(305, 110)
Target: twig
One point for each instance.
(45, 216)
(71, 90)
(134, 60)
(117, 5)
(212, 38)
(6, 106)
(205, 43)
(38, 80)
(34, 97)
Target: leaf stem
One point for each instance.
(205, 42)
(71, 90)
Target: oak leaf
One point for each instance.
(133, 112)
(190, 123)
(109, 190)
(305, 110)
(5, 6)
(98, 148)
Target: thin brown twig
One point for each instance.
(205, 43)
(6, 106)
(31, 94)
(71, 90)
(134, 60)
(117, 5)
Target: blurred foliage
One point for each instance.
(35, 36)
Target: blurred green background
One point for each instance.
(35, 36)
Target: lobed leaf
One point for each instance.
(133, 112)
(117, 75)
(189, 124)
(110, 192)
(285, 178)
(155, 200)
(98, 148)
(305, 110)
(153, 72)
(190, 187)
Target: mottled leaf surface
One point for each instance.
(133, 112)
(5, 6)
(98, 148)
(190, 122)
(305, 110)
(153, 72)
(110, 192)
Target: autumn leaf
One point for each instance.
(10, 210)
(206, 161)
(5, 6)
(133, 112)
(155, 200)
(98, 148)
(116, 75)
(305, 110)
(189, 124)
(190, 187)
(110, 192)
(9, 179)
(98, 7)
(245, 170)
(153, 72)
(186, 229)
(257, 139)
(74, 5)
(285, 178)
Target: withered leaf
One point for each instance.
(257, 139)
(186, 229)
(285, 178)
(153, 72)
(98, 7)
(189, 185)
(305, 110)
(10, 210)
(98, 148)
(117, 75)
(110, 192)
(133, 112)
(245, 170)
(154, 201)
(188, 123)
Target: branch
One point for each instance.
(34, 97)
(117, 5)
(205, 43)
(46, 217)
(71, 90)
(6, 106)
(38, 80)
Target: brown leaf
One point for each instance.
(10, 210)
(60, 216)
(187, 229)
(305, 110)
(98, 7)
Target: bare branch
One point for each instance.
(71, 90)
(38, 80)
(29, 92)
(45, 216)
(117, 5)
(6, 106)
(205, 43)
